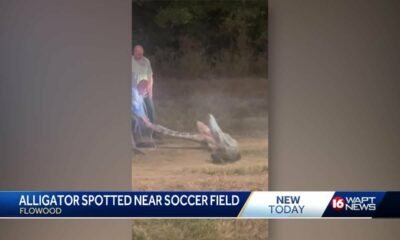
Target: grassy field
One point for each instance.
(200, 229)
(240, 106)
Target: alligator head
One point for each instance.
(223, 147)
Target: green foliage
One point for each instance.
(203, 37)
(172, 17)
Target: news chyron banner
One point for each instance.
(231, 204)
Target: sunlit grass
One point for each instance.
(199, 229)
(240, 170)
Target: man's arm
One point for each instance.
(150, 79)
(150, 87)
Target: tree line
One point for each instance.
(196, 38)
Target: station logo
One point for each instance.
(338, 203)
(363, 203)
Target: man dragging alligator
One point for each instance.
(142, 99)
(223, 147)
(141, 70)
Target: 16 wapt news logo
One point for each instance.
(357, 204)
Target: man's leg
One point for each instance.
(149, 106)
(140, 134)
(133, 136)
(150, 112)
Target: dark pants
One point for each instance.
(149, 107)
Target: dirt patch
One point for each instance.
(180, 165)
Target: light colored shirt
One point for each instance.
(137, 103)
(141, 69)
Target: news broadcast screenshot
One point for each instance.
(199, 119)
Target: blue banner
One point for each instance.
(354, 204)
(195, 204)
(122, 204)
